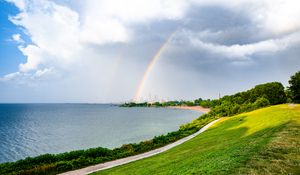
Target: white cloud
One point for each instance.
(9, 77)
(28, 77)
(42, 72)
(107, 21)
(245, 51)
(53, 30)
(21, 4)
(17, 37)
(279, 16)
(106, 31)
(135, 10)
(34, 58)
(272, 16)
(59, 34)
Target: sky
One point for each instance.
(108, 51)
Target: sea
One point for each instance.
(28, 130)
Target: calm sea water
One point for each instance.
(34, 129)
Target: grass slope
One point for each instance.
(264, 141)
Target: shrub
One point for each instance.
(261, 102)
(295, 87)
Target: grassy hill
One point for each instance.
(264, 141)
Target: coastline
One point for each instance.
(195, 108)
(122, 161)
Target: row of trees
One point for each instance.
(274, 92)
(159, 104)
(257, 97)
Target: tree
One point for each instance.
(274, 92)
(295, 87)
(289, 95)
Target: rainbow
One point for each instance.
(150, 67)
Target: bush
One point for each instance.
(261, 102)
(295, 87)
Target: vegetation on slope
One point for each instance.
(249, 143)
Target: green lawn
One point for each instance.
(265, 141)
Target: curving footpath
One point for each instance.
(114, 163)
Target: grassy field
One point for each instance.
(265, 141)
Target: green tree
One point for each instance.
(289, 95)
(274, 92)
(295, 87)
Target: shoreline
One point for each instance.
(122, 161)
(194, 108)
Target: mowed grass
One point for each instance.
(265, 141)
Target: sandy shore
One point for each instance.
(196, 108)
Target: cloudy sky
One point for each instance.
(99, 50)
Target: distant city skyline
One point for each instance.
(108, 51)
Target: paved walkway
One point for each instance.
(126, 160)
